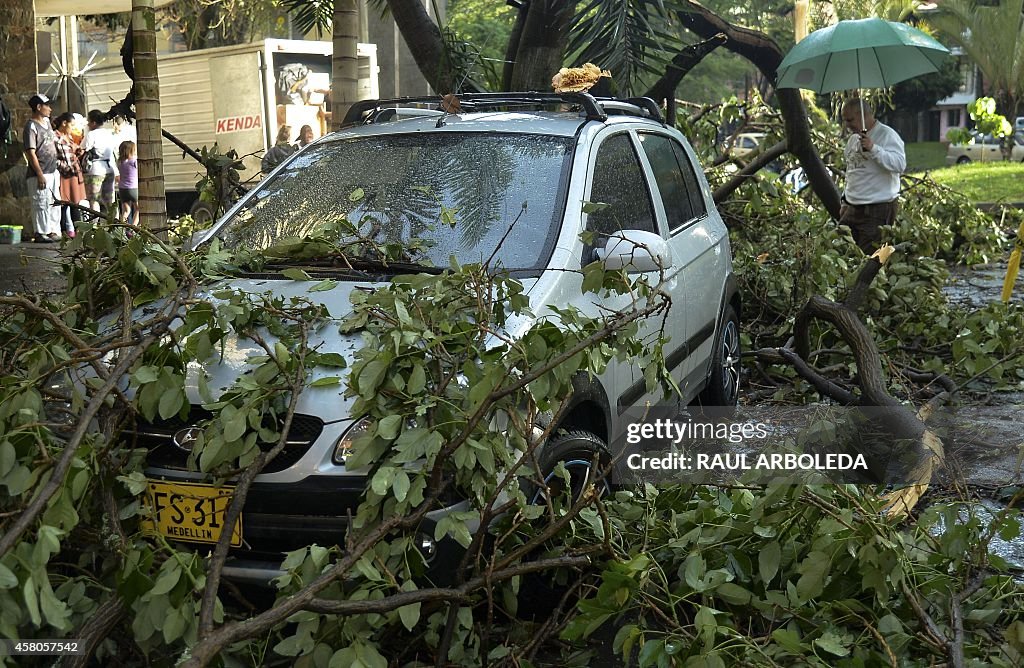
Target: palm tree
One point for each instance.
(992, 35)
(343, 17)
(152, 202)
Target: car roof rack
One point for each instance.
(596, 108)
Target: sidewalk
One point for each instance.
(29, 267)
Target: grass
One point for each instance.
(983, 181)
(925, 155)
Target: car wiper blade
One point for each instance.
(355, 264)
(411, 267)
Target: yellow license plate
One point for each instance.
(190, 512)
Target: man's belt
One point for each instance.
(865, 207)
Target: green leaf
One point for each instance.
(8, 457)
(326, 381)
(146, 374)
(170, 403)
(174, 625)
(7, 578)
(356, 195)
(694, 568)
(32, 601)
(167, 580)
(731, 592)
(296, 274)
(370, 377)
(814, 568)
(417, 380)
(324, 286)
(409, 614)
(768, 561)
(401, 486)
(832, 644)
(594, 207)
(387, 427)
(234, 425)
(652, 650)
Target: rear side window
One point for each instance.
(619, 182)
(669, 177)
(692, 184)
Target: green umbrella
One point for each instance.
(865, 53)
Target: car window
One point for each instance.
(693, 188)
(669, 178)
(461, 194)
(619, 183)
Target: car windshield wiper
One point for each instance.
(355, 263)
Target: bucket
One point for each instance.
(9, 234)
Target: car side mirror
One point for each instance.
(636, 251)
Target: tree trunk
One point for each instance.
(423, 37)
(765, 54)
(152, 200)
(509, 66)
(542, 45)
(345, 61)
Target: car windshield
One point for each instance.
(467, 195)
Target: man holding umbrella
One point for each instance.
(858, 54)
(875, 158)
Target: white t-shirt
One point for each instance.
(102, 139)
(873, 176)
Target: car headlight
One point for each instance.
(343, 448)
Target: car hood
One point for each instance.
(328, 402)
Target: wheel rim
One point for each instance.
(579, 471)
(730, 361)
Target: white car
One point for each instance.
(984, 148)
(498, 159)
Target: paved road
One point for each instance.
(29, 267)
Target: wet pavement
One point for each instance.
(30, 267)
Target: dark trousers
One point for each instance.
(864, 221)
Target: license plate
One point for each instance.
(191, 512)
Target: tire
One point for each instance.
(723, 384)
(576, 450)
(202, 213)
(963, 160)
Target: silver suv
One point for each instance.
(501, 158)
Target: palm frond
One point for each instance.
(310, 14)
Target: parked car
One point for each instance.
(746, 143)
(984, 148)
(659, 213)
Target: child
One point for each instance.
(128, 186)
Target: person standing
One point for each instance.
(279, 151)
(40, 146)
(305, 136)
(72, 182)
(101, 174)
(875, 158)
(128, 185)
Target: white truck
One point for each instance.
(237, 97)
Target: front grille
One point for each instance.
(157, 438)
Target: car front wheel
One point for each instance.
(963, 160)
(578, 451)
(723, 384)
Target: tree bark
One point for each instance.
(423, 37)
(765, 54)
(664, 89)
(152, 201)
(509, 66)
(345, 60)
(542, 45)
